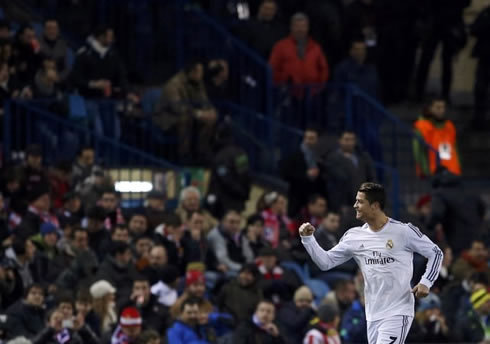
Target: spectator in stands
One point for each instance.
(347, 167)
(154, 209)
(153, 313)
(32, 172)
(84, 166)
(10, 87)
(315, 210)
(298, 59)
(195, 287)
(230, 183)
(263, 31)
(278, 227)
(99, 237)
(59, 177)
(481, 51)
(103, 303)
(440, 134)
(458, 210)
(224, 242)
(57, 327)
(473, 327)
(180, 251)
(216, 79)
(120, 234)
(148, 337)
(354, 69)
(138, 224)
(328, 234)
(49, 261)
(196, 237)
(25, 54)
(166, 287)
(184, 330)
(445, 25)
(129, 327)
(70, 210)
(22, 253)
(261, 327)
(37, 211)
(302, 171)
(27, 315)
(109, 201)
(47, 81)
(431, 320)
(324, 328)
(353, 328)
(118, 270)
(157, 261)
(293, 317)
(5, 41)
(252, 234)
(455, 296)
(55, 48)
(474, 259)
(342, 296)
(141, 250)
(83, 265)
(214, 326)
(277, 283)
(190, 201)
(184, 106)
(239, 296)
(98, 71)
(362, 19)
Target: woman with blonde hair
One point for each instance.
(104, 305)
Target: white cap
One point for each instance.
(101, 288)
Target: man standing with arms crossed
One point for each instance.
(383, 248)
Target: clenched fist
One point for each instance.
(306, 229)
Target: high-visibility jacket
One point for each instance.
(442, 137)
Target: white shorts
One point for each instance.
(392, 330)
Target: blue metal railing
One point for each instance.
(27, 122)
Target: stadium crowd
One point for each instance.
(76, 267)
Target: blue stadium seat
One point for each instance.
(293, 266)
(319, 289)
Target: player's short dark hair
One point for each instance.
(374, 193)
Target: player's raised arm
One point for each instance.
(420, 243)
(325, 260)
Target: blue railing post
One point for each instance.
(349, 123)
(7, 130)
(179, 34)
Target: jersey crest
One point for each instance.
(389, 244)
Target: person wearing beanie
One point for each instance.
(324, 328)
(239, 296)
(293, 317)
(474, 325)
(195, 286)
(104, 306)
(129, 327)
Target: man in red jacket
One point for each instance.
(298, 58)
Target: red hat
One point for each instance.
(130, 316)
(194, 276)
(423, 200)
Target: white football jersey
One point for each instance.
(385, 258)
